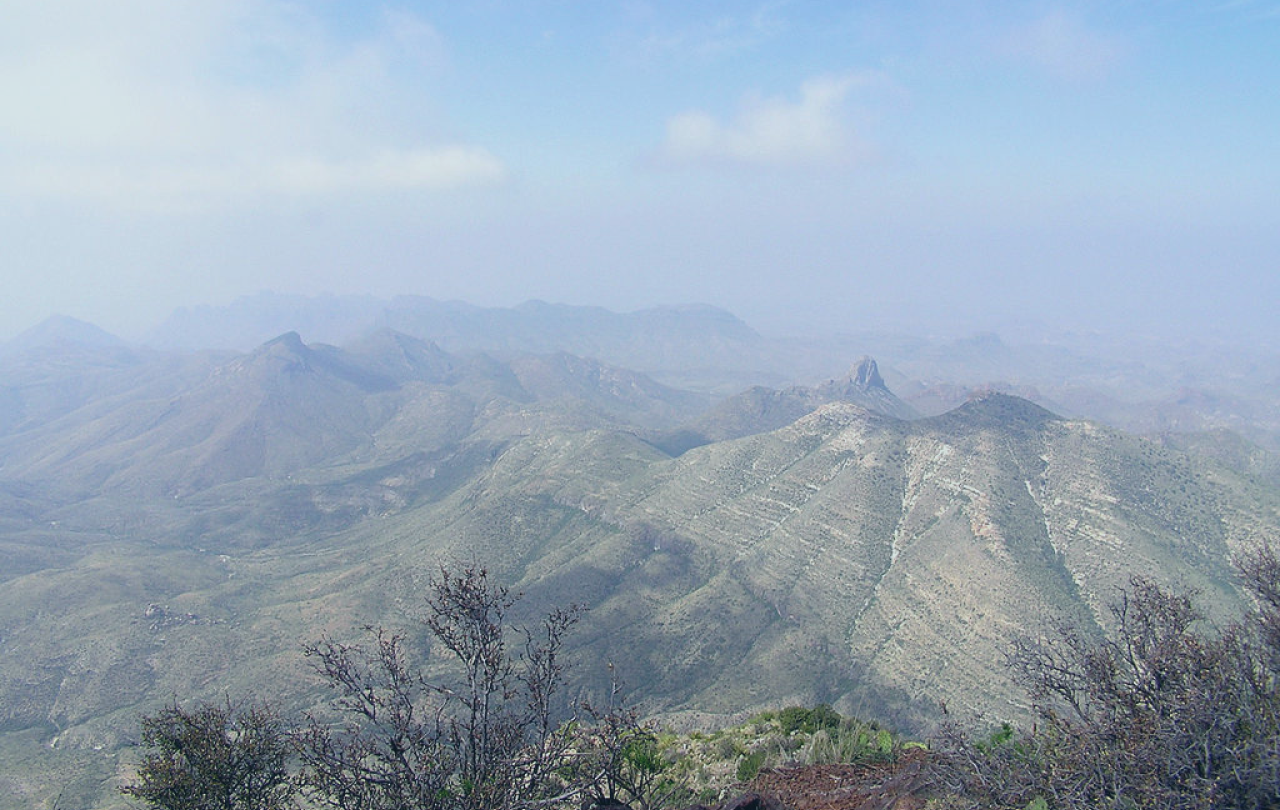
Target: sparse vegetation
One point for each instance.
(494, 738)
(395, 754)
(622, 759)
(1160, 714)
(709, 766)
(798, 718)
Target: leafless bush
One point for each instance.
(498, 736)
(1159, 714)
(490, 739)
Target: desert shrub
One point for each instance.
(750, 764)
(792, 718)
(820, 750)
(488, 739)
(214, 756)
(495, 736)
(619, 760)
(1160, 714)
(798, 718)
(725, 746)
(821, 717)
(857, 741)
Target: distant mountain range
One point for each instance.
(697, 344)
(1143, 386)
(179, 523)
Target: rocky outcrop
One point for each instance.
(867, 374)
(901, 785)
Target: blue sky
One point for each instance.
(922, 165)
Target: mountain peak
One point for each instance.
(63, 330)
(402, 357)
(289, 340)
(993, 408)
(863, 378)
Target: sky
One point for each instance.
(837, 166)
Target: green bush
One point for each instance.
(214, 755)
(798, 718)
(792, 718)
(822, 716)
(749, 766)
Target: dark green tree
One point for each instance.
(214, 757)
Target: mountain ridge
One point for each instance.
(1139, 385)
(846, 556)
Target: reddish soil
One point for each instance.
(897, 786)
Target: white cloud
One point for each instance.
(432, 168)
(140, 101)
(813, 130)
(1062, 45)
(193, 184)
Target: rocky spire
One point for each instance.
(866, 374)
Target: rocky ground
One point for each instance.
(896, 786)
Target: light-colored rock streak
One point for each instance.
(1044, 515)
(917, 475)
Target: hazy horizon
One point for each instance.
(1133, 343)
(1072, 166)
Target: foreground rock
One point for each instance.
(897, 786)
